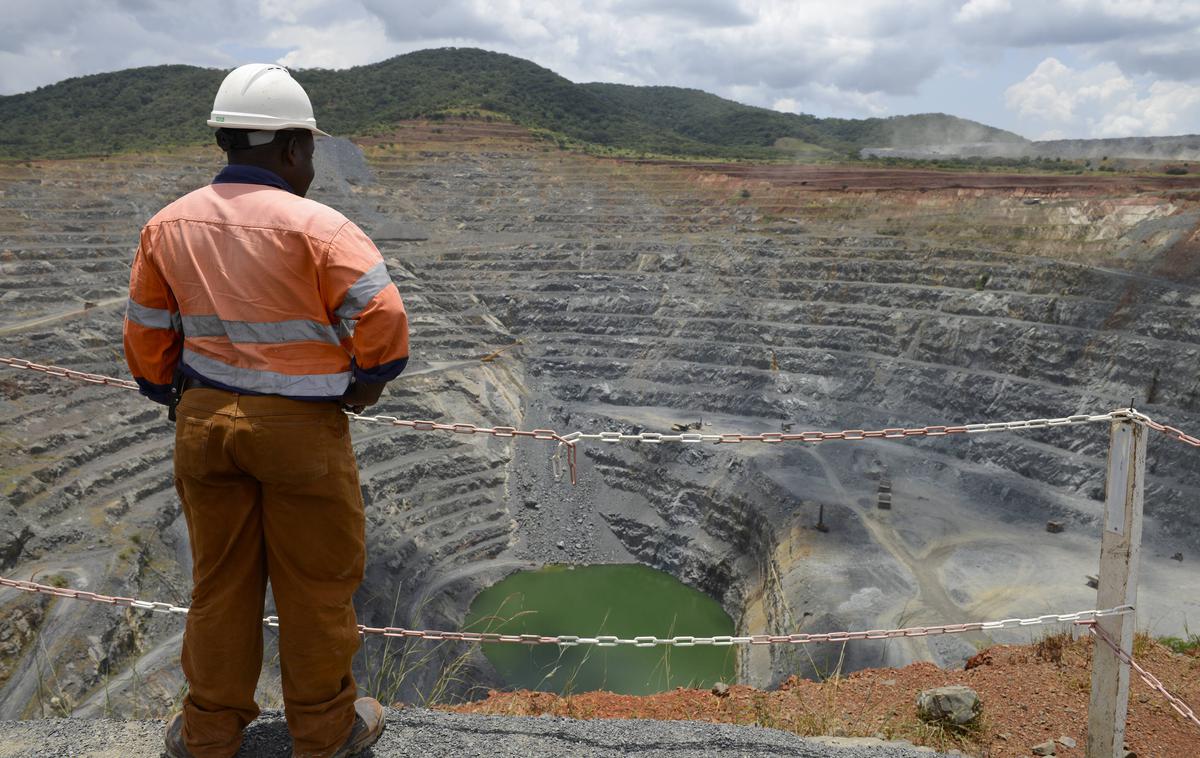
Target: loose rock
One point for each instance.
(955, 704)
(1046, 748)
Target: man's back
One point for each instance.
(273, 294)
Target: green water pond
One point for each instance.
(587, 601)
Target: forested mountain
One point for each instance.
(167, 105)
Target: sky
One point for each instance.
(1045, 69)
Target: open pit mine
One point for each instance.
(553, 289)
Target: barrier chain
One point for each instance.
(849, 434)
(420, 426)
(754, 639)
(1152, 681)
(507, 432)
(67, 373)
(564, 640)
(74, 594)
(568, 441)
(1170, 431)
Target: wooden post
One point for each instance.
(1119, 547)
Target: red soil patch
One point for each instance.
(823, 178)
(1030, 694)
(826, 178)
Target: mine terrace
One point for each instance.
(553, 289)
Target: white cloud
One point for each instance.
(757, 51)
(977, 10)
(828, 99)
(1038, 22)
(1168, 108)
(350, 43)
(1103, 102)
(707, 12)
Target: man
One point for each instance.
(261, 315)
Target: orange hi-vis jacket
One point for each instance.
(251, 288)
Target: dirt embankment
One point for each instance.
(1030, 694)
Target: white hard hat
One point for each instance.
(262, 97)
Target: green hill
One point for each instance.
(714, 120)
(161, 106)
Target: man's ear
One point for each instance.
(291, 150)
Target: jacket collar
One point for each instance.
(242, 174)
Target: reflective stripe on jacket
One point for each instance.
(255, 289)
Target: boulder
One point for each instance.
(956, 705)
(1046, 748)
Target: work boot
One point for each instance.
(368, 726)
(174, 738)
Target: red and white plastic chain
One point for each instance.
(1152, 681)
(568, 441)
(852, 435)
(1170, 431)
(608, 640)
(66, 373)
(420, 426)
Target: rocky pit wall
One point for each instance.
(643, 294)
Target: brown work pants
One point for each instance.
(270, 490)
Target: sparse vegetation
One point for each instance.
(57, 580)
(1189, 644)
(1142, 643)
(1050, 647)
(975, 164)
(389, 665)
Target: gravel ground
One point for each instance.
(431, 734)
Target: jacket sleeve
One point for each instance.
(153, 339)
(365, 306)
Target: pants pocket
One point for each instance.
(191, 445)
(293, 449)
